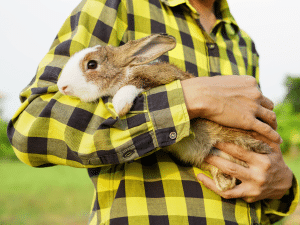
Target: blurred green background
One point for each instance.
(63, 195)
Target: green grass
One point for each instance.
(288, 126)
(56, 195)
(6, 150)
(294, 166)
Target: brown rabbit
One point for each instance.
(126, 71)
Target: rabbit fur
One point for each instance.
(124, 72)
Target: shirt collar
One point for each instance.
(222, 10)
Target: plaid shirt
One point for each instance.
(136, 182)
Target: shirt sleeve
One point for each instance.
(50, 128)
(274, 210)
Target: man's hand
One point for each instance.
(233, 101)
(268, 177)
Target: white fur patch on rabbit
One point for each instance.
(72, 81)
(124, 98)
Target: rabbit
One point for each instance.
(124, 72)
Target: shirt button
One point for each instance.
(211, 46)
(128, 153)
(173, 135)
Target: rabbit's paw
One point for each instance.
(123, 99)
(224, 182)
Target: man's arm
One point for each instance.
(50, 128)
(236, 101)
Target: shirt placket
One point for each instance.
(212, 49)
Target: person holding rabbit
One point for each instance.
(135, 181)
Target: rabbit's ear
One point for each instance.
(147, 49)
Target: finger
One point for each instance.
(235, 151)
(208, 182)
(275, 146)
(238, 191)
(250, 199)
(251, 158)
(267, 131)
(267, 116)
(229, 168)
(267, 103)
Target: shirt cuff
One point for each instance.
(275, 209)
(168, 113)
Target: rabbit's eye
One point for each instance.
(92, 64)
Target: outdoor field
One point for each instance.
(48, 196)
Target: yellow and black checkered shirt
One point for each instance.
(135, 181)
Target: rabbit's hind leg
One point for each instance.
(223, 181)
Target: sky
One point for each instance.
(29, 27)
